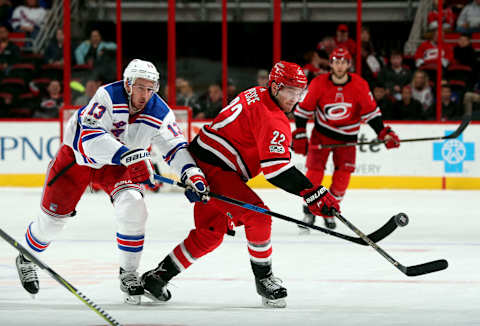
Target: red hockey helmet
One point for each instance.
(287, 74)
(339, 54)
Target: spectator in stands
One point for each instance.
(427, 53)
(99, 55)
(407, 108)
(324, 48)
(90, 51)
(471, 98)
(366, 36)
(463, 51)
(342, 39)
(28, 18)
(469, 19)
(231, 90)
(371, 65)
(210, 102)
(451, 110)
(384, 101)
(9, 52)
(90, 88)
(422, 91)
(5, 12)
(54, 51)
(262, 78)
(395, 75)
(186, 96)
(49, 106)
(448, 17)
(312, 67)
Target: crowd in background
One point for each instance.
(403, 86)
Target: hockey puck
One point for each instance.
(401, 219)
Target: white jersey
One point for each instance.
(100, 132)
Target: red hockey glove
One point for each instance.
(390, 138)
(197, 186)
(300, 141)
(139, 166)
(320, 201)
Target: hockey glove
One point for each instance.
(197, 186)
(390, 138)
(300, 141)
(320, 202)
(139, 166)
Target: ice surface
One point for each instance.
(330, 281)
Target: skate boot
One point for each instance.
(27, 272)
(330, 222)
(308, 218)
(155, 285)
(272, 293)
(131, 287)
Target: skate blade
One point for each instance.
(32, 295)
(303, 230)
(132, 299)
(154, 299)
(274, 303)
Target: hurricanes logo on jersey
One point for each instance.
(337, 111)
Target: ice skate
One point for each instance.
(131, 287)
(272, 293)
(155, 287)
(308, 218)
(330, 222)
(27, 272)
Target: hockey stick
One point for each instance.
(60, 279)
(453, 135)
(430, 267)
(376, 236)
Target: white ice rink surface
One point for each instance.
(330, 281)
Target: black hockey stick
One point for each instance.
(430, 267)
(376, 236)
(60, 279)
(453, 135)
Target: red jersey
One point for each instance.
(427, 54)
(250, 135)
(338, 109)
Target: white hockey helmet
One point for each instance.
(141, 69)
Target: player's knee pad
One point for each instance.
(45, 228)
(258, 227)
(130, 212)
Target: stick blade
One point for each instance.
(430, 267)
(383, 232)
(460, 128)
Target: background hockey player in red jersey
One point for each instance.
(338, 102)
(106, 143)
(250, 136)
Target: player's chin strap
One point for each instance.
(376, 236)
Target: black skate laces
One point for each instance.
(28, 271)
(130, 279)
(272, 283)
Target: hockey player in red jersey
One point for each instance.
(106, 142)
(250, 136)
(338, 102)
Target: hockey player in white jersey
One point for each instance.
(105, 142)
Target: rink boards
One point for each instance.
(27, 147)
